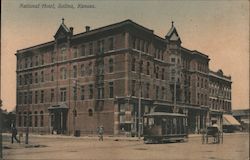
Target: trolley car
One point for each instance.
(165, 127)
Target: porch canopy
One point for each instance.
(58, 107)
(229, 120)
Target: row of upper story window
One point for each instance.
(64, 53)
(86, 49)
(218, 104)
(202, 82)
(147, 68)
(76, 71)
(146, 90)
(202, 99)
(216, 90)
(36, 119)
(144, 46)
(82, 92)
(202, 67)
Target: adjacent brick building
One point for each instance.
(82, 81)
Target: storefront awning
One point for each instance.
(230, 120)
(59, 106)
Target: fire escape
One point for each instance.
(99, 77)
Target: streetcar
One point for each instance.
(160, 127)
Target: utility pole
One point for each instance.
(74, 110)
(28, 114)
(1, 138)
(175, 74)
(139, 103)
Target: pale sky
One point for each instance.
(219, 29)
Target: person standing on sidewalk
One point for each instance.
(13, 135)
(100, 131)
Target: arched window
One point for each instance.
(111, 67)
(90, 111)
(41, 119)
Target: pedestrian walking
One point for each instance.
(14, 133)
(100, 131)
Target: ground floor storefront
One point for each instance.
(118, 117)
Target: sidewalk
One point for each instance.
(109, 137)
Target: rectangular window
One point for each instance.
(36, 60)
(111, 43)
(90, 91)
(83, 50)
(147, 90)
(42, 76)
(36, 77)
(36, 97)
(52, 58)
(82, 92)
(42, 96)
(90, 48)
(52, 75)
(157, 92)
(74, 71)
(148, 68)
(25, 97)
(42, 59)
(162, 73)
(173, 60)
(111, 90)
(26, 63)
(20, 97)
(30, 78)
(133, 88)
(63, 54)
(133, 42)
(63, 94)
(30, 97)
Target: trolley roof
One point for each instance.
(164, 114)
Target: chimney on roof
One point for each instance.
(87, 28)
(71, 30)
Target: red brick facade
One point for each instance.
(82, 81)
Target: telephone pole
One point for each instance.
(175, 74)
(28, 113)
(139, 99)
(74, 110)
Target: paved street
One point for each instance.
(235, 147)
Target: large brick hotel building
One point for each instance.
(81, 81)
